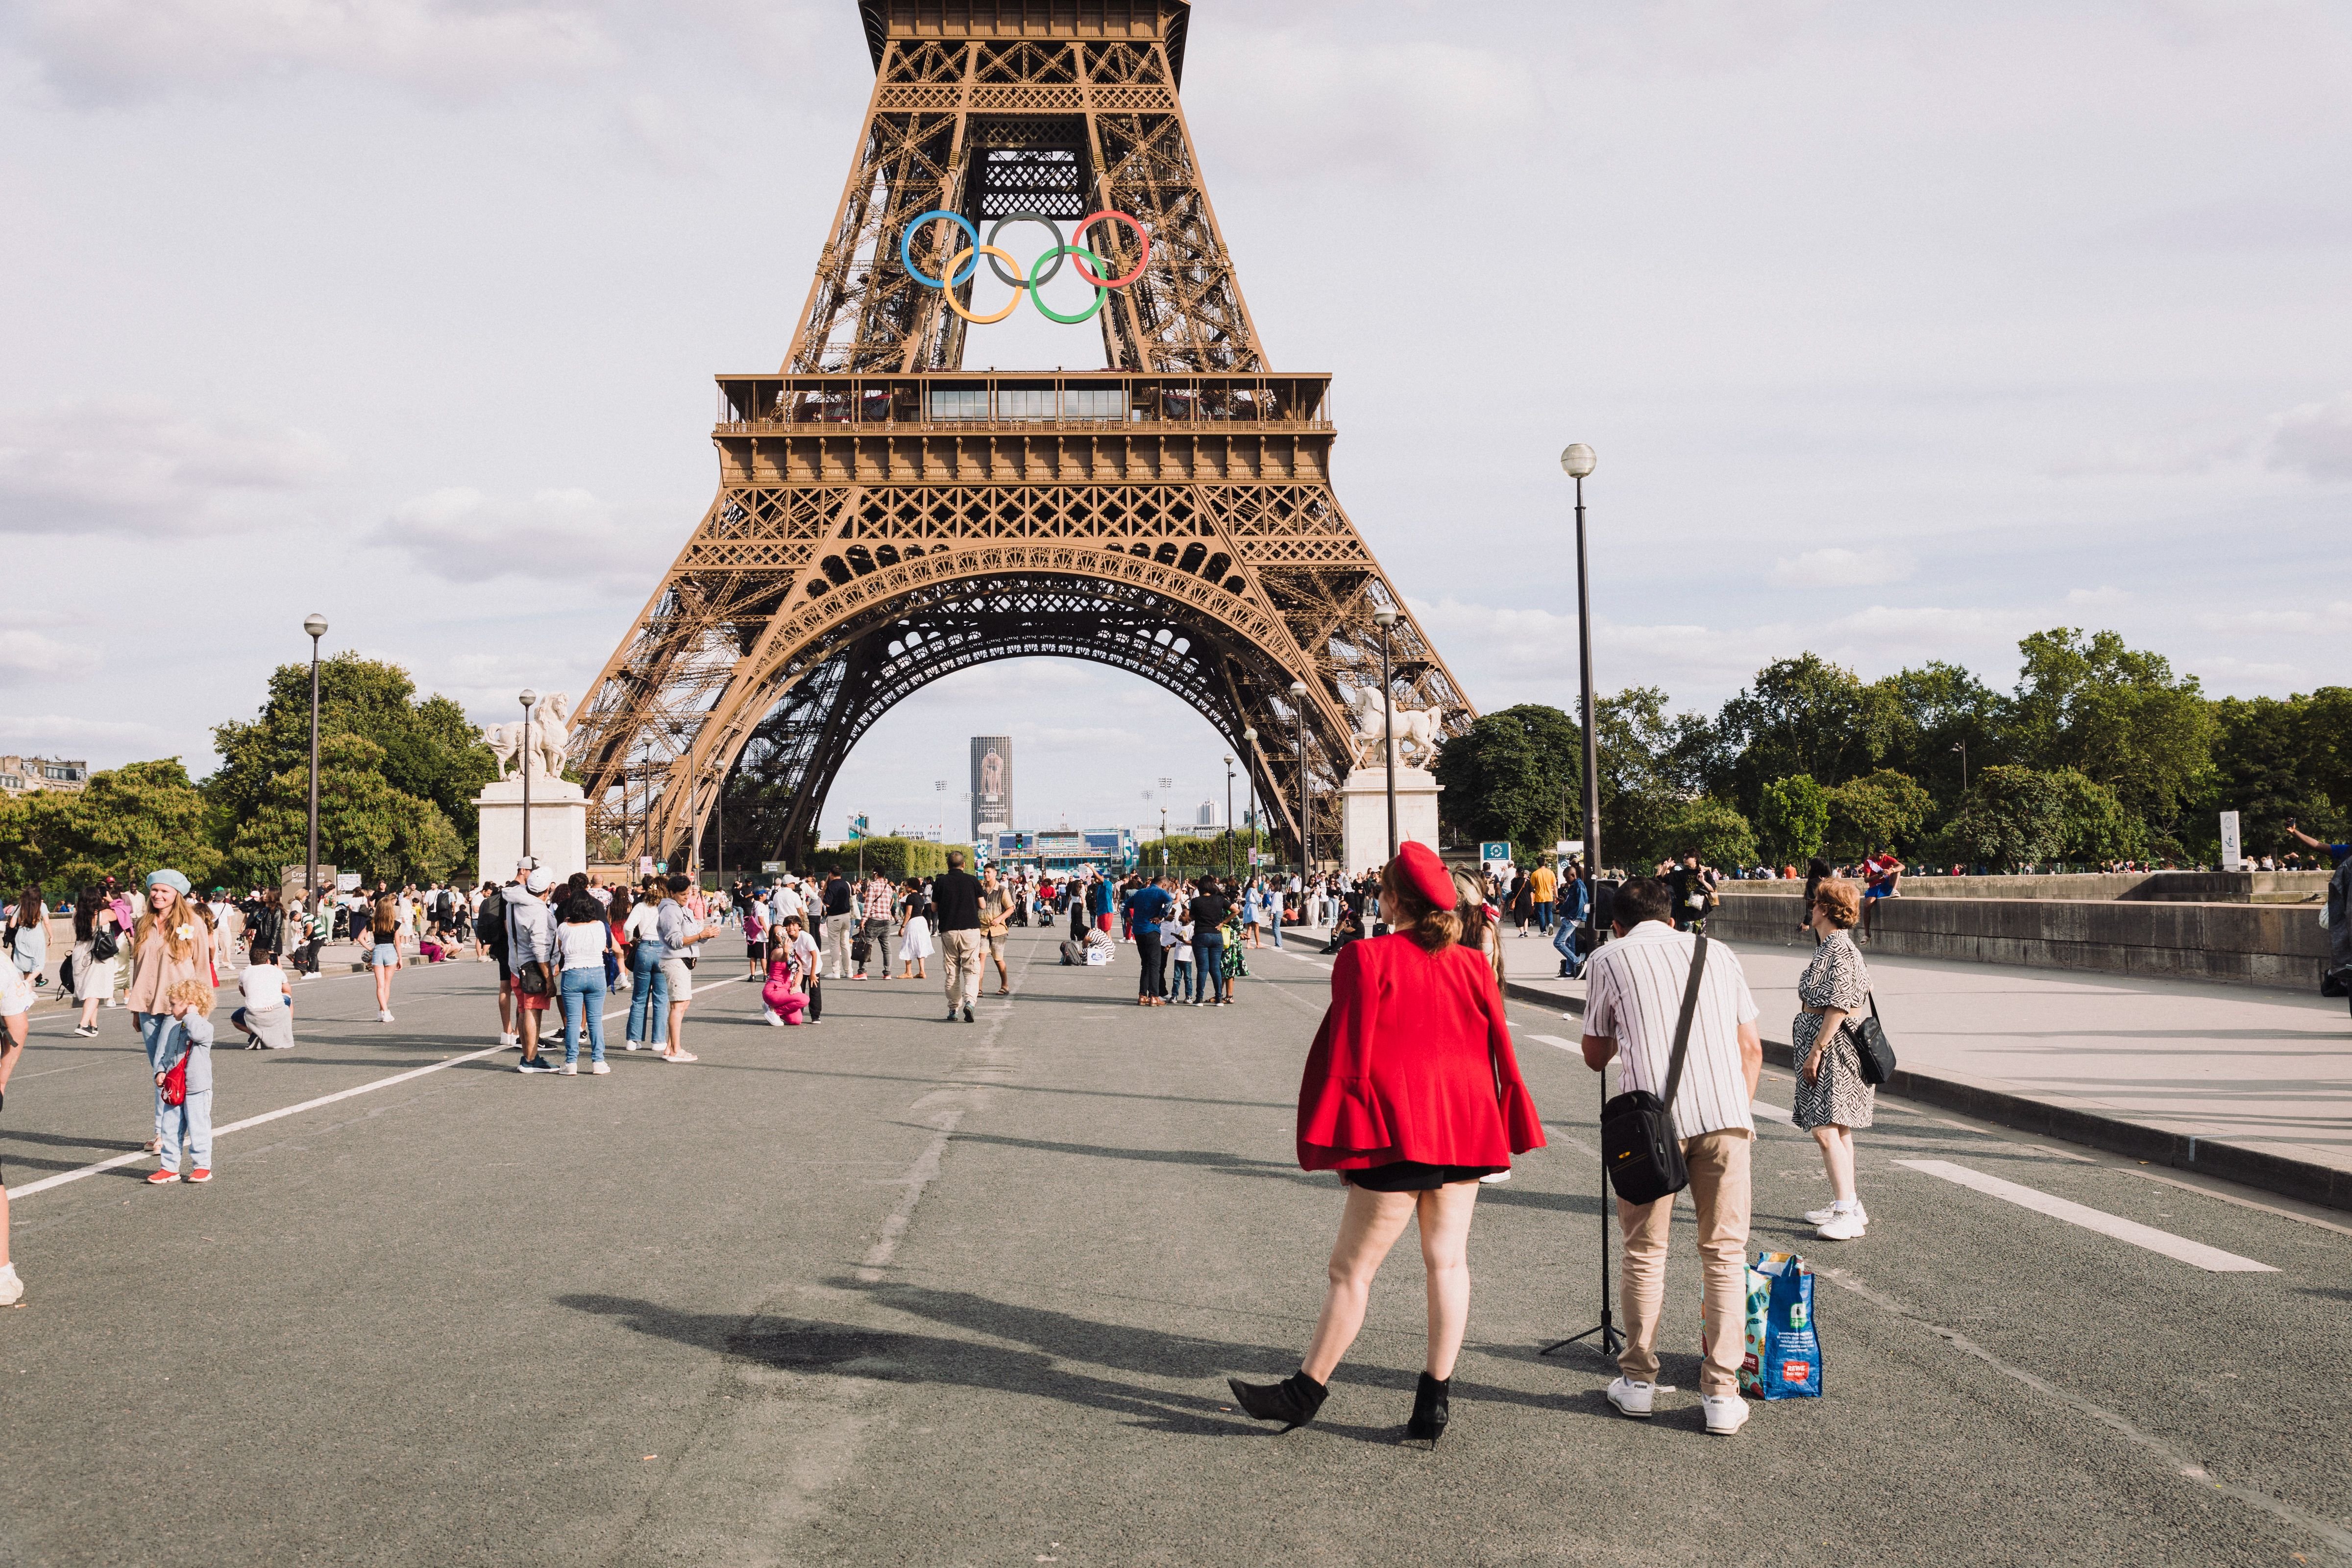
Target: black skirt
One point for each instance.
(1413, 1176)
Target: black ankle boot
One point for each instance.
(1429, 1409)
(1293, 1402)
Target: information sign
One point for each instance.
(1495, 854)
(2232, 859)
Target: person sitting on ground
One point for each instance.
(267, 1019)
(784, 1002)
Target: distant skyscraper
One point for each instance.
(1208, 817)
(992, 786)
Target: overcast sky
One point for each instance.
(1901, 330)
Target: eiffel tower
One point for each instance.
(885, 518)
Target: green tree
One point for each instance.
(896, 858)
(1714, 828)
(2114, 713)
(1879, 810)
(364, 824)
(427, 748)
(1801, 716)
(1935, 710)
(2012, 816)
(1652, 765)
(131, 820)
(1795, 818)
(2275, 760)
(2092, 824)
(1516, 774)
(1188, 854)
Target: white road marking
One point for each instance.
(2180, 1463)
(62, 1177)
(1771, 1112)
(2213, 1260)
(1556, 1040)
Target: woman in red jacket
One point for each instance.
(1411, 1093)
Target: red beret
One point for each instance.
(1418, 867)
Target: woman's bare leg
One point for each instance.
(1837, 1159)
(1369, 1226)
(383, 988)
(1445, 1253)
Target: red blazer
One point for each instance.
(1412, 1062)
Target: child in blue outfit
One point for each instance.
(190, 1122)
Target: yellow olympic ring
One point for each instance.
(957, 306)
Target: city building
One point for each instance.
(27, 776)
(1207, 815)
(1056, 852)
(991, 786)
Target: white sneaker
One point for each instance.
(510, 1039)
(1847, 1226)
(570, 1069)
(600, 1069)
(1632, 1398)
(679, 1057)
(1822, 1216)
(12, 1290)
(383, 1016)
(1726, 1413)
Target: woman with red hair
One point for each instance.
(1412, 1093)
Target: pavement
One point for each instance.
(2249, 1085)
(892, 1290)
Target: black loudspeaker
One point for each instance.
(1604, 906)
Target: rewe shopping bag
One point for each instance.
(1784, 1346)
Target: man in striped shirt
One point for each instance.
(1634, 999)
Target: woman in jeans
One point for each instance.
(168, 945)
(1832, 1100)
(582, 941)
(648, 984)
(1412, 1093)
(384, 953)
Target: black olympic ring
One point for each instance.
(1043, 278)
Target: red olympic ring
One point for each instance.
(1077, 235)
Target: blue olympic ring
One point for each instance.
(906, 254)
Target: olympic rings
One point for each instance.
(1043, 278)
(1048, 265)
(907, 240)
(1143, 238)
(1038, 296)
(956, 305)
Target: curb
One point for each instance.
(2313, 1183)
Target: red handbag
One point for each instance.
(175, 1082)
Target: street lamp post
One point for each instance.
(1959, 746)
(1578, 462)
(1249, 766)
(1298, 706)
(317, 626)
(1386, 617)
(1229, 817)
(529, 699)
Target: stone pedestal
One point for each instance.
(559, 827)
(1364, 814)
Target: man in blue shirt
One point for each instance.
(1145, 908)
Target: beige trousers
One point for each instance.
(962, 952)
(1719, 1185)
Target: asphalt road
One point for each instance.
(890, 1290)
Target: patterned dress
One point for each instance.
(1836, 978)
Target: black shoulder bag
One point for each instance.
(1638, 1142)
(1871, 1044)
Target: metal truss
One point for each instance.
(884, 519)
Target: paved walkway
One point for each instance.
(2256, 1069)
(891, 1291)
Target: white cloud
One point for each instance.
(2317, 439)
(146, 466)
(26, 657)
(1838, 568)
(118, 50)
(461, 536)
(2100, 598)
(43, 731)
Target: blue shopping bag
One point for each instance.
(1784, 1350)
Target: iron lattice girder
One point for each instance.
(882, 520)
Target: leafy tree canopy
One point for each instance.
(2116, 714)
(1517, 774)
(1880, 810)
(131, 820)
(364, 824)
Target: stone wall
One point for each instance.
(2278, 945)
(2161, 887)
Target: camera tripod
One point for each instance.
(1612, 1340)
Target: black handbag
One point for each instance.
(103, 945)
(1639, 1145)
(1871, 1044)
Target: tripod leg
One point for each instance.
(1611, 1340)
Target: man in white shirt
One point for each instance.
(1633, 998)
